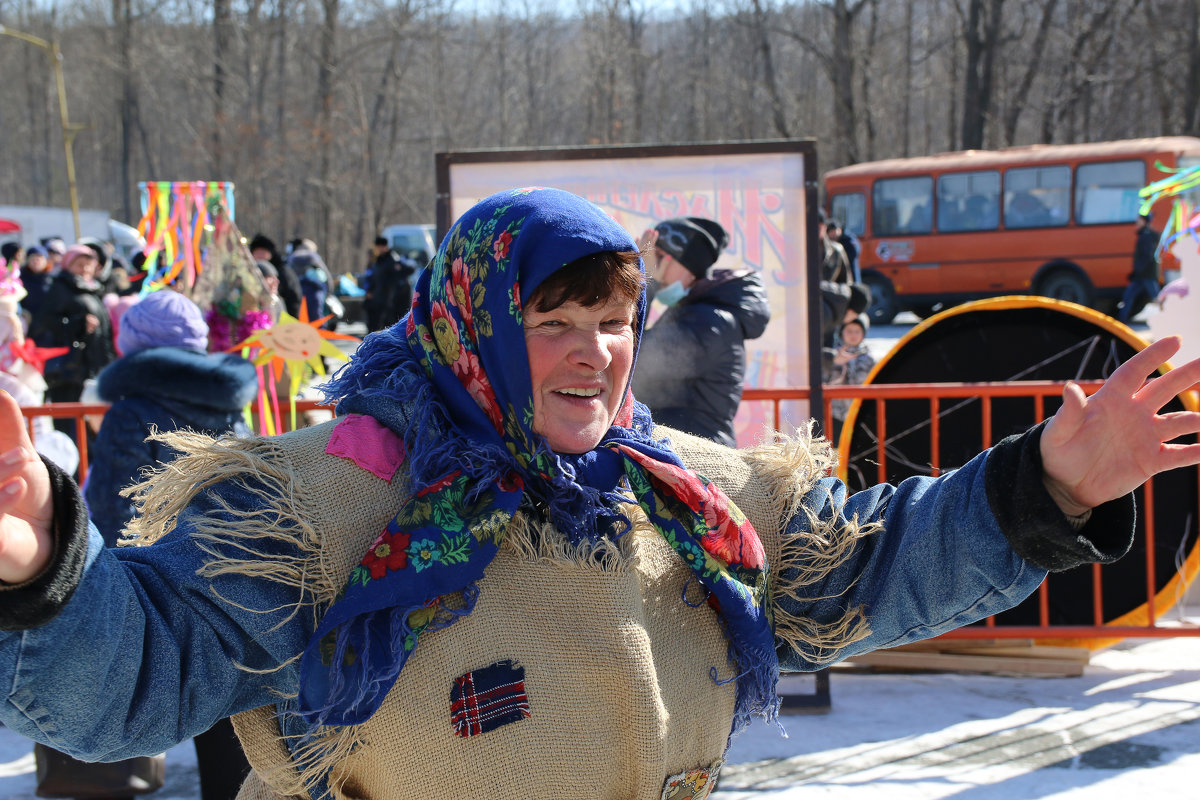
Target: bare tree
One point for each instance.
(981, 29)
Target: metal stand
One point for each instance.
(818, 702)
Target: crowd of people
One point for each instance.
(526, 553)
(76, 324)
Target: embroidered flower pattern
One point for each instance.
(718, 542)
(424, 553)
(388, 554)
(500, 245)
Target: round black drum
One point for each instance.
(1025, 339)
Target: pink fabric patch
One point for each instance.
(369, 444)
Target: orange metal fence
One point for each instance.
(1038, 391)
(880, 395)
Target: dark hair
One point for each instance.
(591, 281)
(381, 241)
(860, 297)
(832, 222)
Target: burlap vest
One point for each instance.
(619, 658)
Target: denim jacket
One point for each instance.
(146, 647)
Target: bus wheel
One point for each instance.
(1064, 285)
(926, 310)
(883, 308)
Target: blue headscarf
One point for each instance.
(451, 379)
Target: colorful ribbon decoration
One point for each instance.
(177, 220)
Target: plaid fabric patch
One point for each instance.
(485, 699)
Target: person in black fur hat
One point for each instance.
(692, 361)
(264, 249)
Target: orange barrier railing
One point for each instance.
(880, 395)
(1038, 391)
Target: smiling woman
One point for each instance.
(579, 335)
(493, 575)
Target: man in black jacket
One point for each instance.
(389, 293)
(1143, 280)
(692, 361)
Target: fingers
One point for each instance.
(647, 240)
(1069, 418)
(1176, 424)
(1173, 456)
(12, 491)
(13, 431)
(1159, 391)
(1130, 376)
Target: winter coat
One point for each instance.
(62, 322)
(389, 292)
(37, 285)
(260, 534)
(314, 280)
(692, 361)
(1145, 264)
(853, 373)
(159, 389)
(835, 264)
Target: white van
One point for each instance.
(415, 241)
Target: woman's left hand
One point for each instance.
(1102, 447)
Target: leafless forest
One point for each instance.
(327, 113)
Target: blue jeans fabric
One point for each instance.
(1136, 288)
(145, 654)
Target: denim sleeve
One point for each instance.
(944, 556)
(146, 653)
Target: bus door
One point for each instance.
(902, 211)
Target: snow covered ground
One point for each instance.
(1129, 726)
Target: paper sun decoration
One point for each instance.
(292, 344)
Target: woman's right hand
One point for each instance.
(26, 510)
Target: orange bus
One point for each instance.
(1052, 220)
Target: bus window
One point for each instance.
(1191, 197)
(901, 206)
(968, 201)
(1108, 192)
(1037, 197)
(851, 211)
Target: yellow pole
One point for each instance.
(68, 130)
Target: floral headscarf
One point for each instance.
(452, 380)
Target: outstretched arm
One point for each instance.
(26, 511)
(1098, 448)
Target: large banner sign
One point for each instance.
(756, 191)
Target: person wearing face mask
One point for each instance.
(692, 361)
(494, 575)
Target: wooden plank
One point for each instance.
(1017, 648)
(952, 662)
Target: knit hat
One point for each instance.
(267, 269)
(77, 251)
(860, 297)
(35, 250)
(53, 244)
(163, 319)
(695, 242)
(862, 321)
(98, 248)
